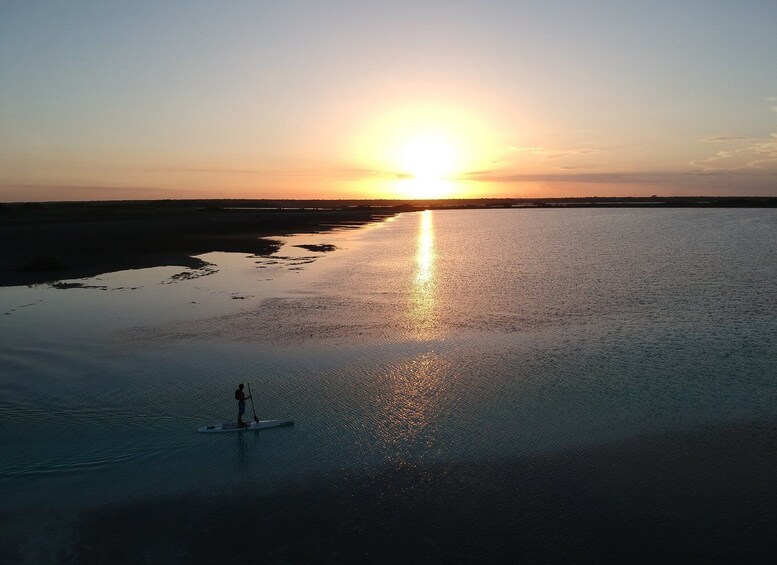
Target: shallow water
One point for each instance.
(434, 338)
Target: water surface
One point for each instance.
(436, 340)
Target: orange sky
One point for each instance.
(358, 100)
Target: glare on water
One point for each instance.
(424, 292)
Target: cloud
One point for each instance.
(756, 156)
(549, 153)
(604, 178)
(692, 182)
(527, 149)
(343, 172)
(722, 138)
(667, 178)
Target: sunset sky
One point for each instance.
(361, 99)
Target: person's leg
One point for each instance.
(240, 412)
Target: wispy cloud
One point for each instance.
(550, 153)
(667, 178)
(724, 138)
(760, 155)
(343, 172)
(604, 178)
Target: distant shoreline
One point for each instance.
(7, 208)
(50, 241)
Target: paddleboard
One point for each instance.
(233, 427)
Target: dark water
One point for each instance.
(553, 385)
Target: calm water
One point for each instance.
(435, 338)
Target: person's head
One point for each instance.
(240, 386)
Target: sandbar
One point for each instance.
(43, 243)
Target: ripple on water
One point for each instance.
(445, 337)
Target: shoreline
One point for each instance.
(52, 241)
(48, 243)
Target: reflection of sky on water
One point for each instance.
(93, 307)
(423, 295)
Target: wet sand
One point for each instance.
(702, 496)
(53, 241)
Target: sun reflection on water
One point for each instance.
(423, 295)
(410, 405)
(410, 397)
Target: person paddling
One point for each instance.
(241, 398)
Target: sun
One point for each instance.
(422, 151)
(429, 156)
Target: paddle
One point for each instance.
(251, 396)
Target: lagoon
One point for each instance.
(540, 372)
